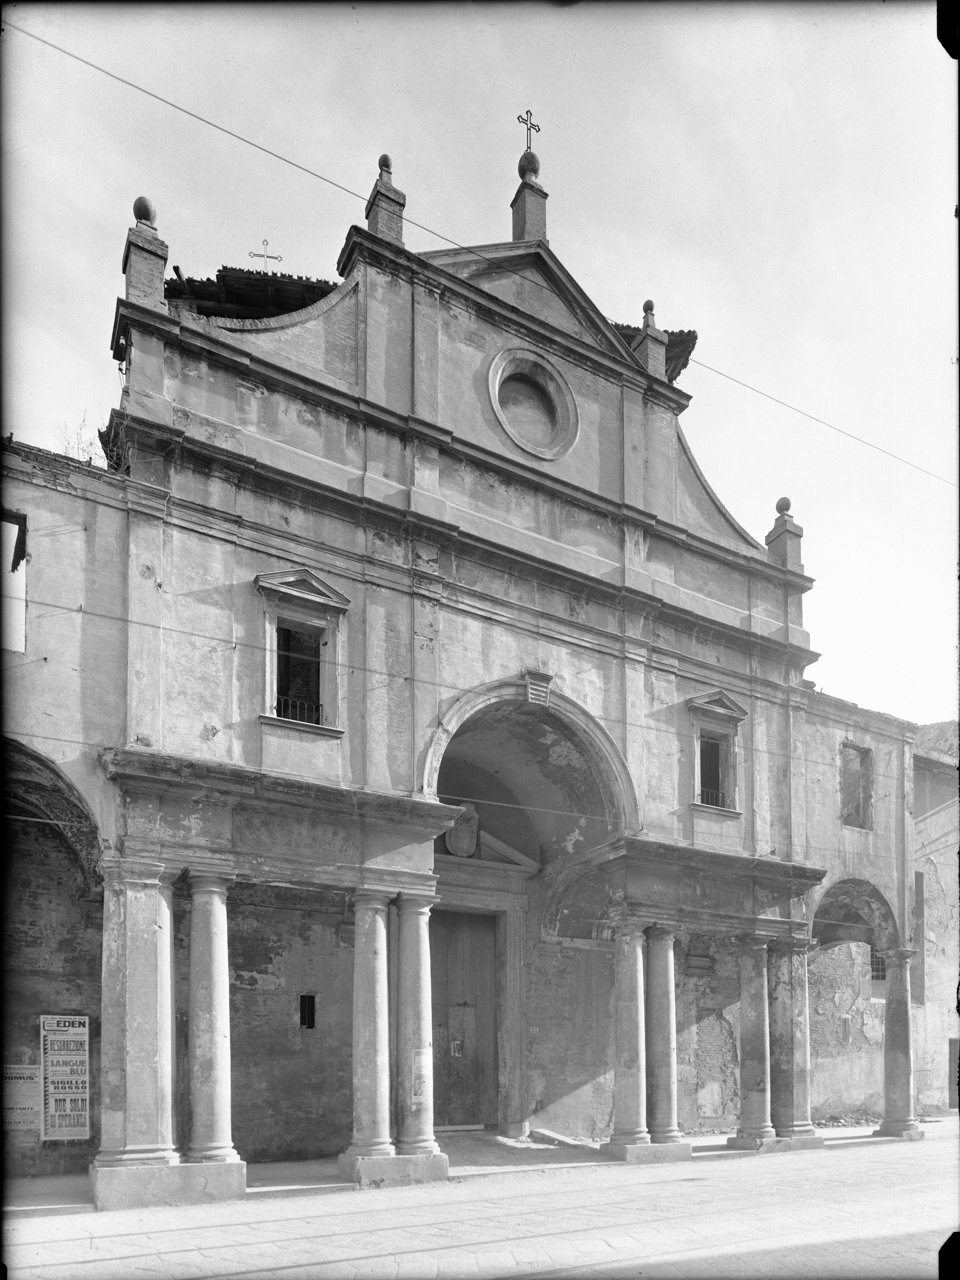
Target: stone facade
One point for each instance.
(406, 736)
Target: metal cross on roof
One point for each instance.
(264, 255)
(528, 121)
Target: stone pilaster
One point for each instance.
(209, 1045)
(898, 1118)
(137, 1016)
(755, 1127)
(789, 1041)
(661, 1037)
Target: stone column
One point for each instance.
(789, 1040)
(137, 1017)
(415, 1028)
(209, 1052)
(630, 1062)
(755, 1127)
(661, 1037)
(371, 1034)
(898, 1118)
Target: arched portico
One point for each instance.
(854, 910)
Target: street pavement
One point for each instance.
(855, 1208)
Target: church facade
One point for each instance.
(402, 736)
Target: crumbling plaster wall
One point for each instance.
(846, 1033)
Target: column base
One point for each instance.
(909, 1130)
(647, 1152)
(431, 1148)
(143, 1186)
(795, 1131)
(214, 1155)
(393, 1171)
(668, 1135)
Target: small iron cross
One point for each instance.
(264, 255)
(528, 121)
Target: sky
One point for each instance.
(781, 178)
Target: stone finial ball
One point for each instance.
(144, 210)
(648, 307)
(783, 506)
(385, 163)
(529, 165)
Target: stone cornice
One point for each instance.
(768, 873)
(263, 476)
(140, 772)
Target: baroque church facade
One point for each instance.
(402, 736)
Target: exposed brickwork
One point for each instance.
(52, 926)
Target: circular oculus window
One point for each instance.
(533, 403)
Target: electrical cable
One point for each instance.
(447, 239)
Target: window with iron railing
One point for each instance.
(299, 658)
(716, 718)
(304, 629)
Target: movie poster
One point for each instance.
(65, 1060)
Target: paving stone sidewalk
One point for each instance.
(857, 1209)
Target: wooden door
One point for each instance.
(463, 954)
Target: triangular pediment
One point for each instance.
(494, 850)
(301, 584)
(718, 703)
(527, 275)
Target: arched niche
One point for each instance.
(544, 775)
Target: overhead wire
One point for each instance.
(276, 155)
(351, 668)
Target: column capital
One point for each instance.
(626, 923)
(752, 942)
(136, 871)
(660, 932)
(899, 955)
(365, 897)
(200, 878)
(416, 899)
(791, 945)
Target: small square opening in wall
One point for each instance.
(308, 1012)
(878, 966)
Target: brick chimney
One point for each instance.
(529, 205)
(783, 540)
(144, 257)
(384, 211)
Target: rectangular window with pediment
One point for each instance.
(716, 721)
(304, 624)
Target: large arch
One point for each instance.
(850, 908)
(854, 928)
(36, 789)
(533, 692)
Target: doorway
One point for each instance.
(463, 962)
